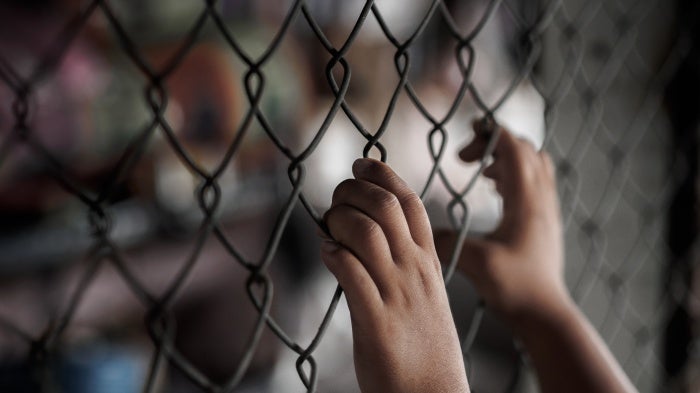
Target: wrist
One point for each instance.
(553, 312)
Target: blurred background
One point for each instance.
(164, 166)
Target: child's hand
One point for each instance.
(404, 337)
(518, 269)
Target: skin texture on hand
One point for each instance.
(384, 258)
(519, 267)
(518, 270)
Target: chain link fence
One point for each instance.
(164, 165)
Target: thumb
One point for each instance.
(474, 256)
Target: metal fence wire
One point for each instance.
(140, 141)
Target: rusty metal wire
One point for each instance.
(580, 87)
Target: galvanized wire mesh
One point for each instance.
(600, 70)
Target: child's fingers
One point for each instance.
(506, 145)
(360, 289)
(514, 167)
(475, 150)
(507, 151)
(380, 205)
(364, 238)
(380, 174)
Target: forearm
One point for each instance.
(518, 269)
(567, 352)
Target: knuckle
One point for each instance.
(346, 223)
(432, 283)
(431, 266)
(370, 229)
(410, 200)
(384, 199)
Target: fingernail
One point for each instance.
(329, 246)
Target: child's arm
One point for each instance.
(518, 269)
(384, 258)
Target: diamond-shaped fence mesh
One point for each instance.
(164, 166)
